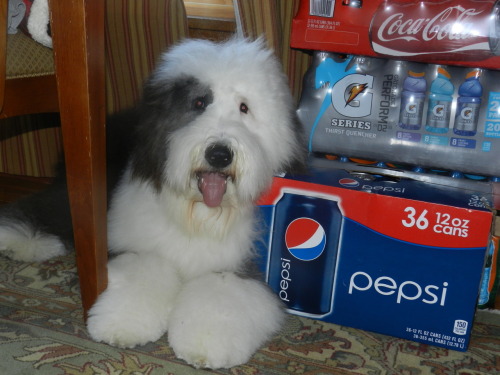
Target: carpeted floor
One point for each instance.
(42, 332)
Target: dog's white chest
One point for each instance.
(194, 239)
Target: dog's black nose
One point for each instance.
(218, 155)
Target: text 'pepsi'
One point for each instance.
(407, 290)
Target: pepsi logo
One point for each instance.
(348, 182)
(305, 239)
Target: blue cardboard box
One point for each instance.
(390, 255)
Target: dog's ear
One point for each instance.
(157, 93)
(147, 158)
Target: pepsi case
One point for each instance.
(304, 251)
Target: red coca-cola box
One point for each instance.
(450, 32)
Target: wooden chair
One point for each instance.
(76, 89)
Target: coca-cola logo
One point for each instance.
(452, 23)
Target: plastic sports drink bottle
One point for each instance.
(440, 98)
(304, 252)
(412, 101)
(468, 104)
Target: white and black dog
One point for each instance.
(216, 122)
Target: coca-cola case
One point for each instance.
(431, 116)
(459, 32)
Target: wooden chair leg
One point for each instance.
(78, 38)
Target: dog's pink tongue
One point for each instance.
(213, 187)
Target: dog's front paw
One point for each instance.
(210, 353)
(121, 320)
(134, 309)
(116, 331)
(220, 320)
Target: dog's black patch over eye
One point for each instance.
(200, 103)
(243, 108)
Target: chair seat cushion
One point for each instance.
(27, 58)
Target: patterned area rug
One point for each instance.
(42, 332)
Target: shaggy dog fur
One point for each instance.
(216, 122)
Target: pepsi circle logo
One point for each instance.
(348, 182)
(305, 239)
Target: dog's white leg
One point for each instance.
(134, 309)
(20, 241)
(220, 320)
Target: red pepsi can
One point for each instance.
(304, 250)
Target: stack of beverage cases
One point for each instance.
(422, 87)
(390, 229)
(426, 115)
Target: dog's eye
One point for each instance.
(200, 103)
(243, 108)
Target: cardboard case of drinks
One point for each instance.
(377, 251)
(410, 84)
(454, 32)
(425, 115)
(418, 84)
